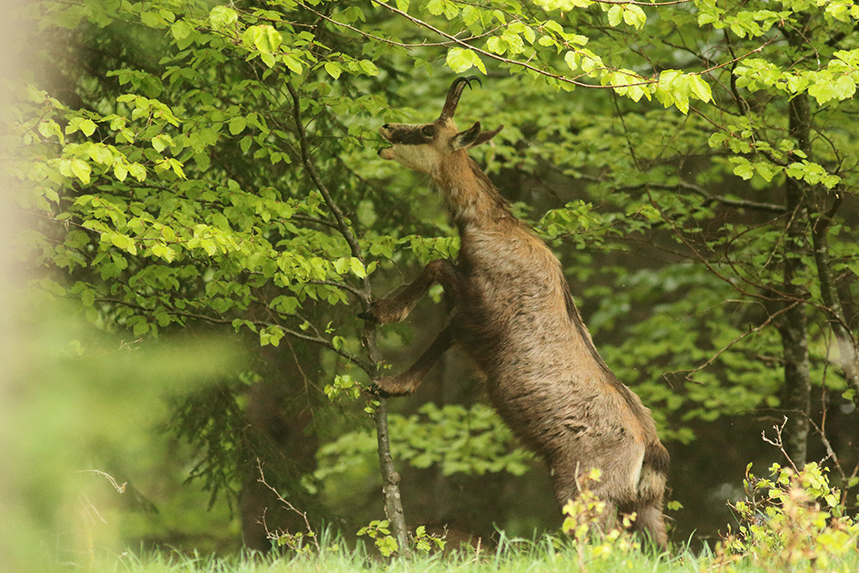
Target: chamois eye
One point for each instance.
(428, 130)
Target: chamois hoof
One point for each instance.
(390, 388)
(369, 316)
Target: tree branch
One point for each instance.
(848, 353)
(342, 226)
(770, 318)
(739, 203)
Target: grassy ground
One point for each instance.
(789, 522)
(509, 557)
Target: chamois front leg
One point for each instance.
(396, 308)
(408, 381)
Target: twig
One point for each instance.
(502, 59)
(311, 534)
(770, 318)
(388, 40)
(113, 482)
(543, 72)
(778, 442)
(342, 226)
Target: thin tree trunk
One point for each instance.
(794, 325)
(390, 478)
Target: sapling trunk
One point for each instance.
(390, 478)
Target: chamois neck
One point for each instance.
(471, 198)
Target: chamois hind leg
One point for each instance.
(408, 381)
(650, 520)
(396, 308)
(650, 523)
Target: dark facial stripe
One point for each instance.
(409, 136)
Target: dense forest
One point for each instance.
(196, 214)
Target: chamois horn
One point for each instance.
(453, 95)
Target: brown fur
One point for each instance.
(514, 315)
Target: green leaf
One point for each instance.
(435, 7)
(222, 16)
(369, 67)
(458, 60)
(160, 143)
(123, 242)
(765, 170)
(80, 169)
(700, 88)
(268, 59)
(237, 125)
(88, 127)
(634, 16)
(845, 87)
(88, 297)
(181, 29)
(471, 15)
(292, 63)
(615, 15)
(823, 91)
(120, 171)
(572, 60)
(333, 69)
(264, 38)
(357, 268)
(137, 171)
(164, 252)
(743, 168)
(49, 128)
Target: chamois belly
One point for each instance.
(543, 377)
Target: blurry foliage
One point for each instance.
(79, 432)
(453, 438)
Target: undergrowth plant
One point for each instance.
(793, 521)
(581, 524)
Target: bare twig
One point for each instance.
(110, 478)
(770, 318)
(275, 535)
(848, 351)
(779, 443)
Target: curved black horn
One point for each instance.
(453, 95)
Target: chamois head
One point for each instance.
(424, 147)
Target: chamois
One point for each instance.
(513, 313)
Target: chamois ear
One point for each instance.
(473, 136)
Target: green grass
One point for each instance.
(790, 522)
(510, 557)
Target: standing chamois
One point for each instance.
(512, 311)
